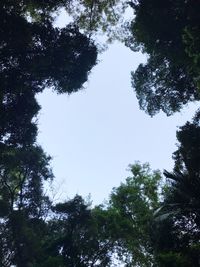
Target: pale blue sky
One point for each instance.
(94, 134)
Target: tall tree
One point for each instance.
(181, 203)
(75, 236)
(169, 79)
(131, 209)
(23, 203)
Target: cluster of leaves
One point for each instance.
(99, 17)
(169, 34)
(35, 55)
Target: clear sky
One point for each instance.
(94, 134)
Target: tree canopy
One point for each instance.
(35, 55)
(180, 208)
(146, 222)
(168, 34)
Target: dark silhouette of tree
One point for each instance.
(181, 202)
(186, 175)
(22, 175)
(34, 55)
(75, 236)
(164, 30)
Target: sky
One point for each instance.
(94, 134)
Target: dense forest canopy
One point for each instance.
(150, 219)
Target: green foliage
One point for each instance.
(140, 225)
(173, 259)
(133, 204)
(186, 176)
(179, 215)
(160, 85)
(22, 172)
(170, 77)
(34, 55)
(23, 204)
(96, 17)
(75, 236)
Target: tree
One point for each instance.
(18, 119)
(181, 203)
(22, 174)
(185, 177)
(34, 55)
(160, 85)
(74, 236)
(133, 204)
(170, 77)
